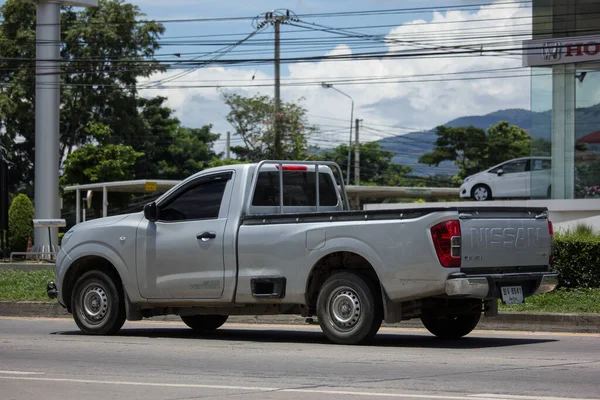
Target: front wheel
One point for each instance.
(481, 193)
(97, 304)
(349, 309)
(204, 323)
(450, 327)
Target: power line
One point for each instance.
(219, 54)
(411, 10)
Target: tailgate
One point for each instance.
(495, 237)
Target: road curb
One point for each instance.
(533, 322)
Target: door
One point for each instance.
(540, 177)
(512, 179)
(181, 254)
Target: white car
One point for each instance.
(527, 177)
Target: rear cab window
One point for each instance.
(299, 194)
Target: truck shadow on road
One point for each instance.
(301, 336)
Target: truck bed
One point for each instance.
(362, 215)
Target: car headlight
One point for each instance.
(468, 179)
(66, 237)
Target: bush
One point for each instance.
(577, 259)
(20, 216)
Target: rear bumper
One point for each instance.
(488, 286)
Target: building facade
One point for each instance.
(564, 55)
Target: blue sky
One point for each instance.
(397, 108)
(193, 9)
(409, 104)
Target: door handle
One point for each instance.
(206, 236)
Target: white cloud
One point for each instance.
(421, 105)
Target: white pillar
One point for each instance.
(47, 118)
(104, 201)
(563, 131)
(77, 206)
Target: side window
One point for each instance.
(298, 189)
(515, 167)
(546, 164)
(540, 164)
(201, 201)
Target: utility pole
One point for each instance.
(357, 162)
(277, 18)
(357, 155)
(47, 115)
(278, 153)
(227, 146)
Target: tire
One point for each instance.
(204, 323)
(98, 304)
(449, 327)
(481, 193)
(349, 308)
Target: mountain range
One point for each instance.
(409, 147)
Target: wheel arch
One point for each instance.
(86, 263)
(333, 262)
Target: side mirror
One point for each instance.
(500, 172)
(151, 212)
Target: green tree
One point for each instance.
(108, 163)
(191, 151)
(463, 146)
(376, 165)
(220, 162)
(105, 51)
(170, 151)
(473, 150)
(254, 121)
(504, 142)
(20, 217)
(541, 147)
(89, 164)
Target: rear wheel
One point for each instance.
(349, 308)
(98, 304)
(204, 323)
(450, 327)
(481, 193)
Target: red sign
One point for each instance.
(579, 49)
(547, 52)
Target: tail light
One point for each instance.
(551, 231)
(446, 240)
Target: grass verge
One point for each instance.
(559, 301)
(25, 286)
(31, 286)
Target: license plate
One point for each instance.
(512, 294)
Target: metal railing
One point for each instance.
(281, 163)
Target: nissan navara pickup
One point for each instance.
(278, 237)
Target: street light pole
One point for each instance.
(330, 86)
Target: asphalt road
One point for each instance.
(49, 359)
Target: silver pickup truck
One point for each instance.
(278, 237)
